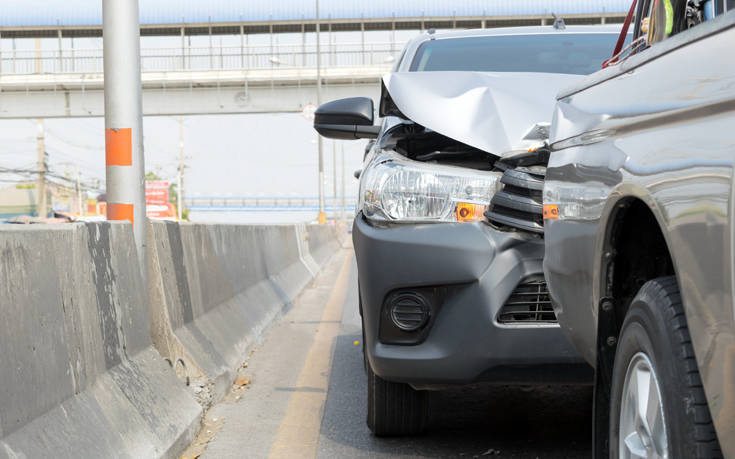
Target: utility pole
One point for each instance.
(42, 208)
(180, 198)
(322, 215)
(342, 213)
(79, 193)
(334, 167)
(125, 163)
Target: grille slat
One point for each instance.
(519, 204)
(529, 303)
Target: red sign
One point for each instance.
(157, 200)
(156, 196)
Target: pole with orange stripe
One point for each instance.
(124, 157)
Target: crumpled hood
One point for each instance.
(488, 111)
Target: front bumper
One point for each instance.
(479, 267)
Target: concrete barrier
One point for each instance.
(215, 288)
(79, 375)
(322, 242)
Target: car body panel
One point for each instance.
(489, 111)
(658, 128)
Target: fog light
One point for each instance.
(409, 311)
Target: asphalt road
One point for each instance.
(299, 403)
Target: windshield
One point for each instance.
(571, 53)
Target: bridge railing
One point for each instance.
(266, 203)
(89, 60)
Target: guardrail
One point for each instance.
(90, 60)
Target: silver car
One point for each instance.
(639, 206)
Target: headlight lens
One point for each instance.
(565, 201)
(396, 189)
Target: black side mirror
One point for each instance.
(346, 119)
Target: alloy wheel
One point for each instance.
(642, 427)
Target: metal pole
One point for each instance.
(38, 62)
(242, 46)
(79, 193)
(362, 35)
(303, 44)
(211, 51)
(123, 120)
(42, 208)
(272, 56)
(334, 167)
(61, 54)
(331, 45)
(180, 200)
(322, 216)
(183, 48)
(342, 213)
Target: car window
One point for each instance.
(571, 53)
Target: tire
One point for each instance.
(655, 349)
(395, 409)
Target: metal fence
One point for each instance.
(28, 61)
(270, 202)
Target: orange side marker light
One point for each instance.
(467, 212)
(551, 212)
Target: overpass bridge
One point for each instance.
(240, 76)
(192, 81)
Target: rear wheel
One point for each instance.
(395, 408)
(658, 408)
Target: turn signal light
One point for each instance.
(467, 212)
(551, 212)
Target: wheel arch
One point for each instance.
(632, 249)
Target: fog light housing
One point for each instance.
(408, 314)
(409, 311)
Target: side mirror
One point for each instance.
(346, 119)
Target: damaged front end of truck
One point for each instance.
(448, 234)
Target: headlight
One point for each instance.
(564, 201)
(396, 189)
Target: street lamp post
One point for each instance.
(322, 216)
(342, 213)
(180, 198)
(125, 166)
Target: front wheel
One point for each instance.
(395, 408)
(658, 408)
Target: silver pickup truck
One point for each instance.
(448, 297)
(639, 207)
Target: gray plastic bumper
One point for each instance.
(482, 267)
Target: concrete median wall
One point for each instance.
(322, 242)
(90, 356)
(80, 377)
(215, 288)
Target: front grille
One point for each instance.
(529, 303)
(519, 204)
